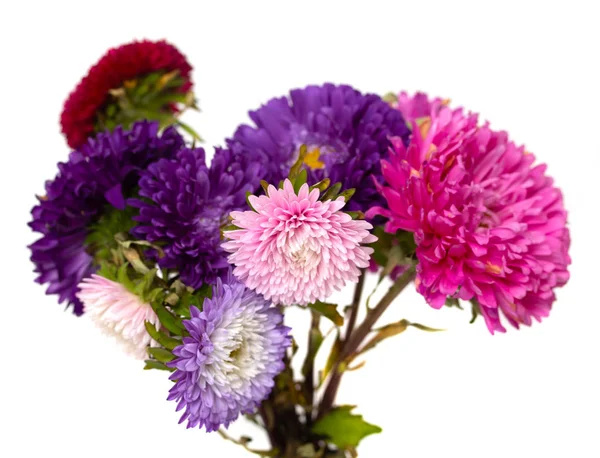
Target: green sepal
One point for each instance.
(331, 193)
(390, 98)
(265, 186)
(248, 194)
(356, 214)
(295, 169)
(347, 194)
(161, 354)
(475, 310)
(321, 185)
(453, 302)
(152, 364)
(300, 180)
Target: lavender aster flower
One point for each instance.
(345, 131)
(227, 365)
(93, 182)
(185, 206)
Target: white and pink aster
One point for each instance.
(118, 313)
(294, 249)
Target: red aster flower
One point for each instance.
(142, 79)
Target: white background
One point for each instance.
(529, 67)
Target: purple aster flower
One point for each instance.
(346, 134)
(96, 178)
(186, 204)
(227, 365)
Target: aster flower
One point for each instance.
(345, 131)
(91, 187)
(122, 69)
(227, 365)
(185, 206)
(489, 224)
(118, 313)
(294, 249)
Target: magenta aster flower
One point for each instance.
(295, 249)
(488, 223)
(118, 313)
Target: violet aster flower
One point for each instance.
(295, 249)
(118, 313)
(345, 131)
(95, 180)
(185, 206)
(488, 223)
(227, 365)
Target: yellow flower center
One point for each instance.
(312, 159)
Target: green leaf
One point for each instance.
(187, 128)
(161, 354)
(328, 311)
(167, 319)
(343, 428)
(168, 342)
(391, 330)
(151, 364)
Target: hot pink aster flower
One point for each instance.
(295, 249)
(119, 313)
(488, 223)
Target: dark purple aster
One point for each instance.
(227, 365)
(186, 204)
(97, 177)
(345, 131)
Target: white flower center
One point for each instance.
(239, 354)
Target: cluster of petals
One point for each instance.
(118, 65)
(488, 223)
(227, 364)
(118, 313)
(294, 249)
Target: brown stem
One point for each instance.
(354, 340)
(358, 290)
(268, 418)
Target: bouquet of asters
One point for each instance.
(191, 266)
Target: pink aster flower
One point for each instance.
(295, 249)
(118, 313)
(488, 223)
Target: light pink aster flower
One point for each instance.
(119, 313)
(488, 223)
(295, 249)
